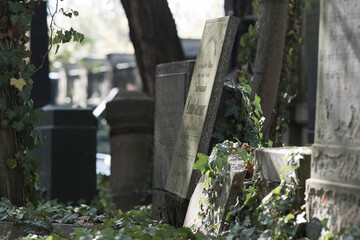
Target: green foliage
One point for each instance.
(215, 169)
(277, 216)
(245, 123)
(16, 84)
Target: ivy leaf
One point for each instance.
(289, 217)
(25, 94)
(277, 190)
(37, 115)
(202, 163)
(18, 83)
(35, 162)
(12, 163)
(232, 109)
(11, 114)
(2, 104)
(15, 7)
(257, 103)
(18, 125)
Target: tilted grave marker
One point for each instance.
(201, 104)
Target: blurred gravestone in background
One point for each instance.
(131, 118)
(68, 155)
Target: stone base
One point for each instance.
(337, 202)
(159, 211)
(127, 202)
(176, 209)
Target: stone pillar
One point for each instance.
(334, 188)
(68, 155)
(131, 118)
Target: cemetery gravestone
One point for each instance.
(333, 190)
(172, 85)
(68, 155)
(269, 163)
(227, 196)
(131, 118)
(201, 107)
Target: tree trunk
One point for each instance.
(11, 183)
(153, 34)
(269, 54)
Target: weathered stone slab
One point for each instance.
(333, 190)
(270, 161)
(337, 202)
(130, 116)
(201, 104)
(172, 85)
(227, 195)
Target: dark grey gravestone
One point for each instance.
(334, 187)
(201, 107)
(68, 155)
(172, 85)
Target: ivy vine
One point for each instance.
(18, 117)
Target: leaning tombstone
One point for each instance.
(334, 187)
(68, 155)
(199, 113)
(228, 193)
(172, 85)
(130, 116)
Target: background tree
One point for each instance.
(154, 36)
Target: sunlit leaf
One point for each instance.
(12, 163)
(18, 83)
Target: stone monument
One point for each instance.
(131, 118)
(334, 188)
(68, 155)
(172, 85)
(199, 112)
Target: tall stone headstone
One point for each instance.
(201, 107)
(334, 188)
(172, 85)
(131, 119)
